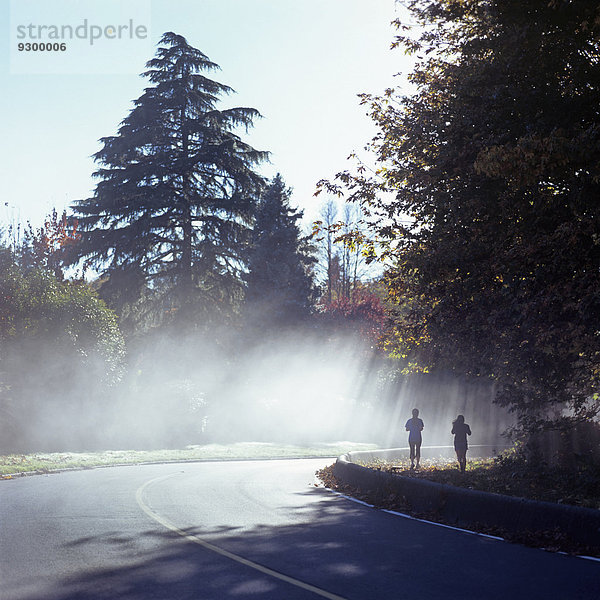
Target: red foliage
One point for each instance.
(50, 240)
(363, 313)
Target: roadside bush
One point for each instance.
(61, 350)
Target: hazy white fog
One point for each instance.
(183, 390)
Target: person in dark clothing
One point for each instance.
(460, 430)
(414, 426)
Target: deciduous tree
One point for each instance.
(495, 158)
(60, 351)
(45, 246)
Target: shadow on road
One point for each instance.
(344, 548)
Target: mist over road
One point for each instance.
(240, 530)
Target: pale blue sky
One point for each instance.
(300, 63)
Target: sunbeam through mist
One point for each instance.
(292, 388)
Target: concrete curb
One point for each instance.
(471, 508)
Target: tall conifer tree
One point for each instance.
(280, 283)
(171, 214)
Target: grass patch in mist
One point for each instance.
(48, 462)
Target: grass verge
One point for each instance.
(16, 464)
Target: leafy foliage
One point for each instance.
(170, 218)
(363, 314)
(495, 160)
(44, 247)
(59, 345)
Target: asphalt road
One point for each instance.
(248, 530)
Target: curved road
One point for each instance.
(242, 530)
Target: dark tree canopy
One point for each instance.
(171, 214)
(495, 158)
(280, 282)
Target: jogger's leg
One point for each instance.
(461, 456)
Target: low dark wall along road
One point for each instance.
(470, 509)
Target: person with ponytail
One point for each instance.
(460, 430)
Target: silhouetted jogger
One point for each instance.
(414, 426)
(460, 430)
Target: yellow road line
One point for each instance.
(235, 557)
